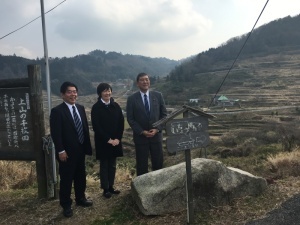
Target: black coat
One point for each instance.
(64, 133)
(108, 122)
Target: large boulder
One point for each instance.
(164, 191)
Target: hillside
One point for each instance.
(265, 74)
(270, 80)
(273, 38)
(96, 66)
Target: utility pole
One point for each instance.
(49, 95)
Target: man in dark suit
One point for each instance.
(144, 108)
(70, 134)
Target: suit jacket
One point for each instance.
(138, 119)
(64, 133)
(108, 122)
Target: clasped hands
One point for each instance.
(113, 142)
(150, 133)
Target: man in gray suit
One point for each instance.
(144, 108)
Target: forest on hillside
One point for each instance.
(96, 66)
(275, 37)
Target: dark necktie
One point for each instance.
(78, 125)
(146, 105)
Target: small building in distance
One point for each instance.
(224, 101)
(194, 100)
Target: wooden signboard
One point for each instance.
(16, 136)
(187, 133)
(22, 124)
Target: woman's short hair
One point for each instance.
(102, 87)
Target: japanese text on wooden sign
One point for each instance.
(15, 121)
(187, 133)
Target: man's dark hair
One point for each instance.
(141, 75)
(102, 87)
(65, 85)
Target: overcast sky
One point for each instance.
(174, 29)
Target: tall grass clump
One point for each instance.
(16, 174)
(285, 164)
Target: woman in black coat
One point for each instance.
(108, 125)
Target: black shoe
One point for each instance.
(68, 212)
(84, 202)
(114, 191)
(106, 194)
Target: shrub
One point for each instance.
(271, 137)
(267, 150)
(285, 164)
(229, 139)
(248, 145)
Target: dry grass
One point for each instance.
(248, 208)
(16, 175)
(285, 164)
(22, 206)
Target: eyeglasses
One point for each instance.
(71, 92)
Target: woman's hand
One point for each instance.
(114, 142)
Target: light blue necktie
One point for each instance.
(78, 126)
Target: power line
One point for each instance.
(238, 54)
(31, 21)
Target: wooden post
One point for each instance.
(189, 183)
(36, 104)
(201, 152)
